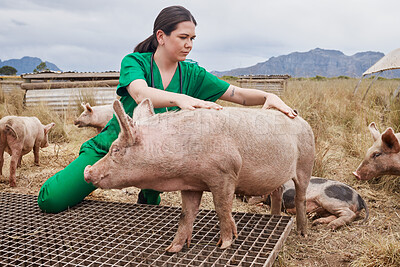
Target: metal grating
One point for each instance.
(96, 233)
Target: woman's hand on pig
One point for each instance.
(191, 103)
(273, 101)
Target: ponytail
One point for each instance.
(148, 45)
(167, 21)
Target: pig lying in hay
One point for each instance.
(249, 151)
(18, 136)
(383, 157)
(97, 116)
(333, 203)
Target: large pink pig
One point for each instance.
(18, 136)
(234, 150)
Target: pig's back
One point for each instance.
(270, 145)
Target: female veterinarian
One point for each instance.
(155, 70)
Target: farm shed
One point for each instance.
(389, 62)
(61, 90)
(10, 83)
(276, 84)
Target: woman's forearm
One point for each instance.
(139, 91)
(254, 97)
(245, 96)
(159, 98)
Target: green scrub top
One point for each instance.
(196, 82)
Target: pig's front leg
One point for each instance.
(36, 149)
(2, 147)
(190, 207)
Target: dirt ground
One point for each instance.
(322, 247)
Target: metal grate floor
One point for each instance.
(96, 233)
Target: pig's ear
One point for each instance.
(143, 110)
(374, 131)
(123, 121)
(48, 127)
(390, 143)
(88, 107)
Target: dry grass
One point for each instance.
(85, 96)
(339, 121)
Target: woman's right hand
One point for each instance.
(191, 103)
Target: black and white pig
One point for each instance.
(333, 203)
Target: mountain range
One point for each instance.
(321, 62)
(316, 62)
(27, 64)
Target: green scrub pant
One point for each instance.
(68, 187)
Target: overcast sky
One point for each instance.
(83, 35)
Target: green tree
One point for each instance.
(8, 70)
(41, 67)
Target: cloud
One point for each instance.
(85, 35)
(18, 23)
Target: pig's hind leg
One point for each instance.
(301, 183)
(223, 201)
(339, 216)
(19, 162)
(276, 201)
(190, 207)
(16, 153)
(325, 220)
(345, 216)
(2, 149)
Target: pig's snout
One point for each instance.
(86, 174)
(357, 175)
(77, 123)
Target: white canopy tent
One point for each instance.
(389, 62)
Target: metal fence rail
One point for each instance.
(66, 98)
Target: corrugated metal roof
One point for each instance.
(286, 76)
(71, 75)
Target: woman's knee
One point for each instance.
(67, 187)
(59, 192)
(50, 202)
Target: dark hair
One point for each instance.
(167, 21)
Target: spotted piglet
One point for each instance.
(333, 203)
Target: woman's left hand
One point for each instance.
(273, 101)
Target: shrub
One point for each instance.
(8, 70)
(318, 78)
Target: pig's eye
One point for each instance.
(115, 149)
(376, 154)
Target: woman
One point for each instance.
(155, 70)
